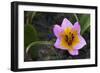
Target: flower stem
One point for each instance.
(76, 17)
(38, 42)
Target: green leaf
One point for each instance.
(29, 17)
(33, 52)
(35, 49)
(37, 43)
(84, 21)
(30, 34)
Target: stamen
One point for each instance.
(69, 38)
(66, 38)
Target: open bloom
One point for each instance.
(68, 37)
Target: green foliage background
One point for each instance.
(38, 28)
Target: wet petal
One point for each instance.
(57, 30)
(74, 52)
(81, 44)
(77, 27)
(58, 44)
(66, 23)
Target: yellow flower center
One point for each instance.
(69, 38)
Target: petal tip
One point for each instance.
(66, 23)
(74, 52)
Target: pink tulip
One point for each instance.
(68, 37)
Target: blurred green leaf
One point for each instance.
(37, 43)
(33, 52)
(29, 17)
(38, 48)
(85, 22)
(30, 35)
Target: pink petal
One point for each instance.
(57, 30)
(74, 52)
(81, 44)
(77, 27)
(57, 44)
(66, 23)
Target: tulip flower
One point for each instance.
(69, 37)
